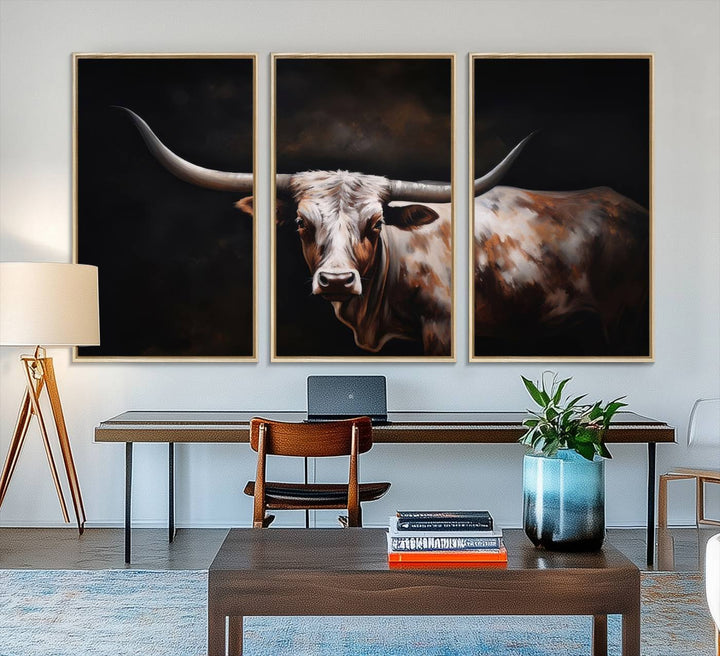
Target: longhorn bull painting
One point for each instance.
(176, 261)
(363, 244)
(363, 210)
(560, 250)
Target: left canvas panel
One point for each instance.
(164, 149)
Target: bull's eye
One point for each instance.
(300, 223)
(377, 227)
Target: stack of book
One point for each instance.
(435, 537)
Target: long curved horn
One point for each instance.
(423, 192)
(197, 175)
(442, 193)
(282, 183)
(490, 179)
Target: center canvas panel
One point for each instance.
(363, 207)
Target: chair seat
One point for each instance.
(317, 495)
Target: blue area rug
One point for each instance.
(129, 612)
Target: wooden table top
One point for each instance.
(405, 426)
(365, 550)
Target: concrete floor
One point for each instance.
(679, 549)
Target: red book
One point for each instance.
(450, 557)
(448, 565)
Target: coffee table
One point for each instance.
(345, 572)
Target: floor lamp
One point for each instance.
(46, 304)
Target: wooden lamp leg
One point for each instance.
(64, 440)
(35, 380)
(39, 374)
(16, 443)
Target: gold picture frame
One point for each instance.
(177, 264)
(585, 121)
(339, 125)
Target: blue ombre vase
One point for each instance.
(564, 501)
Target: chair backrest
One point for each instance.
(311, 440)
(704, 423)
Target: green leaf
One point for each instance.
(610, 409)
(586, 436)
(587, 451)
(575, 401)
(595, 411)
(602, 450)
(534, 392)
(558, 394)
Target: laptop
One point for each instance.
(341, 397)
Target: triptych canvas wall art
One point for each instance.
(363, 206)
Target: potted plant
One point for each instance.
(564, 467)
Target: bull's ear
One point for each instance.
(409, 216)
(285, 211)
(245, 205)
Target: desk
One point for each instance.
(345, 572)
(403, 427)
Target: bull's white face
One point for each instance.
(339, 221)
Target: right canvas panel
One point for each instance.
(561, 207)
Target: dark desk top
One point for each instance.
(407, 426)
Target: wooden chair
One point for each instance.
(349, 437)
(703, 429)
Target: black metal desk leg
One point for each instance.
(128, 497)
(651, 505)
(171, 491)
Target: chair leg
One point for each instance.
(354, 516)
(662, 501)
(699, 501)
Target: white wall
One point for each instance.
(37, 38)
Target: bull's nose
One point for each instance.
(336, 281)
(336, 285)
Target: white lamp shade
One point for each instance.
(48, 304)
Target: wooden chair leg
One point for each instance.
(662, 501)
(699, 501)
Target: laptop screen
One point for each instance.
(339, 397)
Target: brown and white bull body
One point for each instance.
(543, 260)
(380, 250)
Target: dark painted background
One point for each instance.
(175, 261)
(593, 122)
(388, 117)
(592, 117)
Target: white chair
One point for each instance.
(712, 584)
(703, 430)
